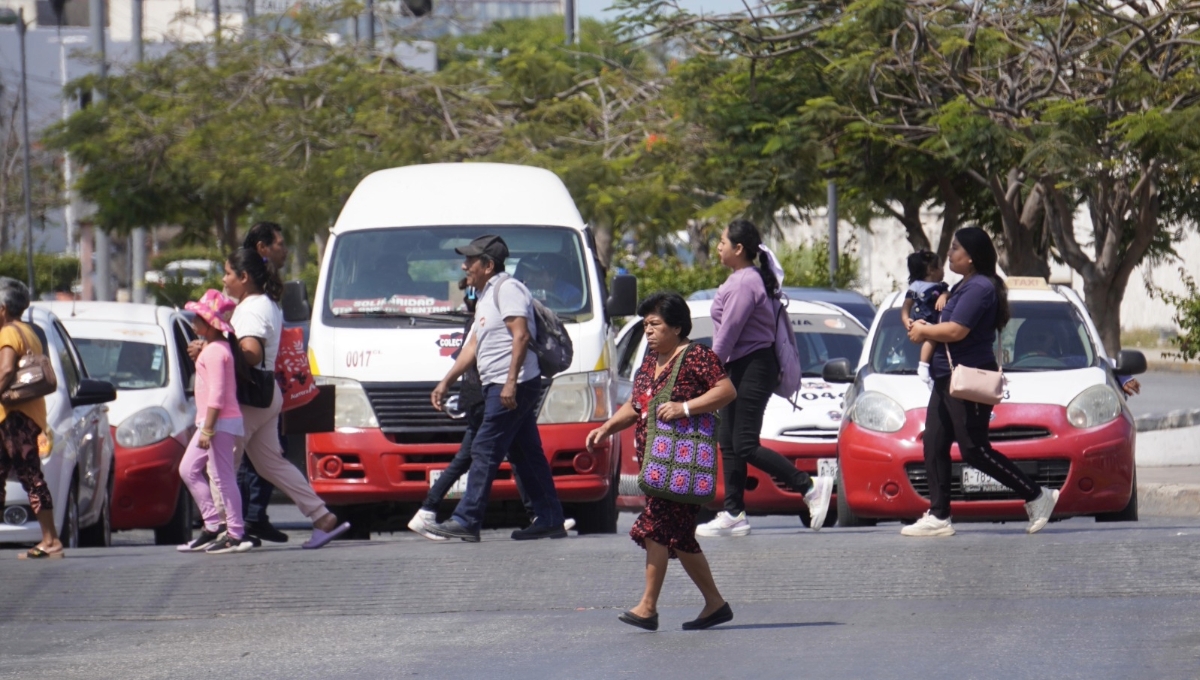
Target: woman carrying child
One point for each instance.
(219, 424)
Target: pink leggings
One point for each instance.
(192, 468)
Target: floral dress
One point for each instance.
(664, 521)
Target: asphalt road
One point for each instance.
(1079, 600)
(1163, 392)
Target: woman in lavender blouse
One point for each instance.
(744, 314)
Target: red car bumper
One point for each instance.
(883, 475)
(763, 495)
(368, 467)
(145, 484)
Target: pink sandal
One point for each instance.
(321, 538)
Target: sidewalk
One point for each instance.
(1157, 361)
(1172, 491)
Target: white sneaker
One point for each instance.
(928, 525)
(725, 525)
(1040, 509)
(817, 500)
(568, 524)
(420, 524)
(923, 374)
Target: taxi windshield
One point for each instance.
(414, 272)
(127, 365)
(1041, 336)
(819, 337)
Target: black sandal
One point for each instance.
(36, 553)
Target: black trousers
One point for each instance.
(461, 464)
(950, 420)
(755, 377)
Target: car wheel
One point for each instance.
(831, 517)
(361, 518)
(99, 535)
(70, 528)
(845, 515)
(1130, 511)
(179, 529)
(598, 517)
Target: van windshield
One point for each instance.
(414, 271)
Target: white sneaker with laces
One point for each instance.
(817, 500)
(928, 525)
(1040, 509)
(725, 524)
(420, 521)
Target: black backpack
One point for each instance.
(551, 343)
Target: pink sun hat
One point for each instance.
(215, 308)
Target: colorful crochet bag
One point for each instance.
(680, 460)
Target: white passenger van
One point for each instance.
(387, 321)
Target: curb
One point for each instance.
(1168, 421)
(1175, 366)
(1169, 500)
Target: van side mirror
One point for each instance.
(295, 302)
(838, 371)
(1130, 362)
(93, 392)
(622, 296)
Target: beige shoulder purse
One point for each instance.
(975, 384)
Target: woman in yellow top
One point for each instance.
(22, 422)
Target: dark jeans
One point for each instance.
(515, 433)
(461, 463)
(754, 376)
(256, 491)
(950, 420)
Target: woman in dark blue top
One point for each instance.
(976, 311)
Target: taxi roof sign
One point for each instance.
(1026, 283)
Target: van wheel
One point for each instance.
(1128, 514)
(598, 517)
(99, 535)
(846, 516)
(178, 530)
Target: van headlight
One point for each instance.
(352, 408)
(877, 411)
(578, 398)
(1094, 406)
(144, 428)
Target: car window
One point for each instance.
(127, 365)
(71, 363)
(187, 368)
(626, 349)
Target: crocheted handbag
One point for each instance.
(680, 461)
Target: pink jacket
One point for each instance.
(216, 386)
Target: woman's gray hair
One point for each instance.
(14, 297)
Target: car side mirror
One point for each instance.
(838, 371)
(622, 296)
(92, 392)
(1130, 362)
(295, 302)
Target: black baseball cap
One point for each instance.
(491, 245)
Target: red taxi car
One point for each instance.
(1064, 420)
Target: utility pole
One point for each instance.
(97, 14)
(833, 234)
(21, 29)
(371, 24)
(569, 22)
(70, 215)
(137, 237)
(217, 19)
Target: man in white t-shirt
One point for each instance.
(499, 345)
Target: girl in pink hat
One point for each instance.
(219, 424)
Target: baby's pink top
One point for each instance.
(216, 386)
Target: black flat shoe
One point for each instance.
(534, 532)
(645, 623)
(452, 529)
(722, 615)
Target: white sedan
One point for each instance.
(79, 465)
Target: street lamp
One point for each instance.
(9, 18)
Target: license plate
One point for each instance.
(456, 490)
(827, 467)
(974, 481)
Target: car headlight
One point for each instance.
(144, 428)
(1094, 406)
(877, 411)
(353, 409)
(578, 398)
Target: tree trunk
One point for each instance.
(1024, 248)
(603, 233)
(698, 242)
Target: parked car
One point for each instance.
(806, 435)
(142, 351)
(191, 272)
(79, 466)
(1064, 419)
(859, 305)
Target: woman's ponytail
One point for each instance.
(247, 261)
(745, 234)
